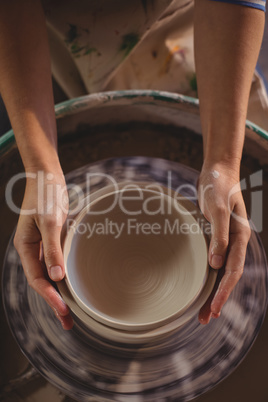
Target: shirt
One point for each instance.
(260, 4)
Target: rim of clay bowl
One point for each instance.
(119, 323)
(136, 337)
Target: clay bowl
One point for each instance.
(135, 259)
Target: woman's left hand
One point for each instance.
(221, 202)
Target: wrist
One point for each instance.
(229, 167)
(41, 155)
(49, 165)
(231, 163)
(223, 139)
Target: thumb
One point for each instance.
(220, 221)
(53, 253)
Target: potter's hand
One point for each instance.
(223, 109)
(38, 233)
(221, 202)
(32, 115)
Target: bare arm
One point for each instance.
(227, 43)
(25, 81)
(26, 88)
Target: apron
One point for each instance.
(100, 45)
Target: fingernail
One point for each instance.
(202, 321)
(216, 261)
(216, 315)
(56, 273)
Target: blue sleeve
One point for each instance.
(260, 4)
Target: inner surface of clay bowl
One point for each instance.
(135, 259)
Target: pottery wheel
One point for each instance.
(186, 363)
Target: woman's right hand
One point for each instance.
(37, 239)
(26, 66)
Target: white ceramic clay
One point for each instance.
(130, 262)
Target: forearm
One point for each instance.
(227, 43)
(25, 82)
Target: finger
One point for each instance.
(29, 255)
(52, 250)
(205, 313)
(239, 238)
(215, 315)
(220, 221)
(54, 300)
(66, 321)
